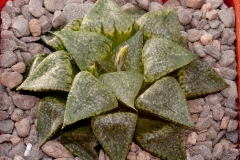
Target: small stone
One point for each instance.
(224, 122)
(230, 154)
(226, 17)
(53, 5)
(58, 19)
(17, 114)
(216, 125)
(209, 60)
(35, 27)
(46, 24)
(215, 33)
(155, 6)
(4, 149)
(218, 151)
(23, 127)
(101, 155)
(214, 23)
(171, 3)
(212, 51)
(133, 147)
(33, 136)
(26, 56)
(206, 7)
(194, 118)
(215, 3)
(213, 14)
(127, 6)
(30, 39)
(6, 126)
(184, 16)
(216, 44)
(194, 106)
(204, 123)
(199, 49)
(206, 111)
(66, 2)
(232, 136)
(219, 137)
(206, 27)
(230, 113)
(3, 115)
(193, 35)
(17, 157)
(207, 144)
(36, 9)
(197, 157)
(202, 150)
(6, 20)
(35, 154)
(194, 22)
(5, 137)
(228, 36)
(143, 155)
(198, 15)
(194, 4)
(15, 140)
(55, 149)
(75, 10)
(131, 156)
(19, 149)
(192, 138)
(231, 91)
(228, 73)
(206, 39)
(8, 59)
(211, 134)
(201, 24)
(232, 125)
(20, 26)
(24, 102)
(217, 113)
(11, 79)
(230, 102)
(19, 67)
(35, 48)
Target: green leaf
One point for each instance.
(166, 100)
(124, 84)
(85, 47)
(161, 56)
(49, 117)
(33, 63)
(54, 73)
(164, 140)
(134, 13)
(199, 79)
(88, 97)
(133, 60)
(115, 132)
(162, 23)
(81, 142)
(55, 43)
(107, 18)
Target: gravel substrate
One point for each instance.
(209, 25)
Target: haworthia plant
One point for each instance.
(115, 132)
(199, 79)
(166, 100)
(161, 56)
(49, 117)
(81, 142)
(161, 23)
(125, 85)
(161, 139)
(107, 18)
(85, 47)
(54, 73)
(87, 98)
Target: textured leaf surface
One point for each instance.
(162, 23)
(49, 117)
(85, 47)
(107, 18)
(163, 140)
(134, 13)
(115, 132)
(81, 142)
(166, 100)
(198, 79)
(54, 73)
(124, 84)
(88, 97)
(33, 63)
(161, 56)
(133, 60)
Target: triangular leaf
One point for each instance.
(33, 63)
(88, 97)
(161, 139)
(124, 84)
(162, 23)
(199, 79)
(54, 73)
(85, 47)
(134, 13)
(115, 132)
(81, 142)
(166, 100)
(161, 56)
(107, 18)
(49, 117)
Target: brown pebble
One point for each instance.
(19, 67)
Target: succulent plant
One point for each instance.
(116, 77)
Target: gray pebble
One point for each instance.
(211, 134)
(8, 59)
(228, 57)
(198, 15)
(35, 154)
(36, 9)
(19, 3)
(3, 115)
(230, 102)
(20, 26)
(32, 137)
(209, 60)
(53, 5)
(232, 136)
(46, 23)
(193, 35)
(230, 154)
(6, 20)
(19, 149)
(230, 113)
(217, 113)
(194, 22)
(35, 48)
(17, 114)
(184, 16)
(228, 73)
(26, 13)
(202, 150)
(228, 36)
(6, 126)
(232, 125)
(225, 48)
(214, 23)
(218, 151)
(5, 148)
(30, 39)
(201, 24)
(206, 112)
(24, 102)
(212, 51)
(9, 8)
(220, 135)
(215, 33)
(226, 17)
(215, 3)
(230, 91)
(199, 49)
(197, 157)
(66, 2)
(26, 56)
(204, 123)
(58, 19)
